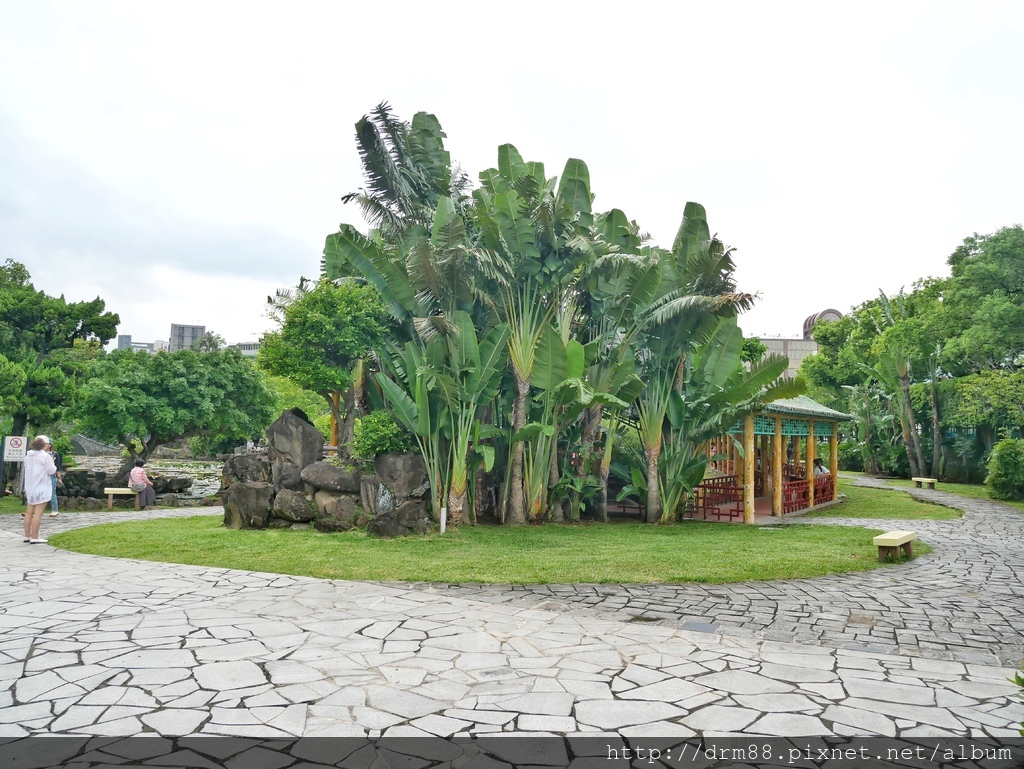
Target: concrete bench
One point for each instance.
(110, 496)
(890, 543)
(928, 483)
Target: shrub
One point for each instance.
(379, 433)
(1006, 470)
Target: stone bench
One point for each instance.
(928, 483)
(890, 543)
(110, 496)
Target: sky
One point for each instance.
(184, 160)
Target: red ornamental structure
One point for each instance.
(765, 464)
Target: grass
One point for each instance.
(971, 490)
(864, 502)
(11, 504)
(594, 553)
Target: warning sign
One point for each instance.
(14, 448)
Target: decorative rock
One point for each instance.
(170, 500)
(413, 515)
(292, 506)
(324, 476)
(386, 525)
(361, 520)
(330, 525)
(336, 506)
(247, 468)
(369, 486)
(293, 442)
(247, 505)
(93, 504)
(170, 484)
(404, 474)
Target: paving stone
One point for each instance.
(175, 722)
(777, 703)
(889, 692)
(867, 721)
(718, 718)
(608, 714)
(785, 724)
(741, 682)
(221, 676)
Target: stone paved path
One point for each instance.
(99, 646)
(964, 602)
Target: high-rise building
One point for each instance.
(183, 337)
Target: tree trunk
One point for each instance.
(557, 509)
(936, 432)
(348, 426)
(601, 507)
(912, 420)
(517, 507)
(871, 461)
(653, 506)
(591, 426)
(456, 501)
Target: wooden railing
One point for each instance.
(824, 489)
(794, 496)
(718, 497)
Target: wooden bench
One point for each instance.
(110, 496)
(890, 543)
(928, 483)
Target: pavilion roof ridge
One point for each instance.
(804, 406)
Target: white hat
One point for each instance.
(44, 439)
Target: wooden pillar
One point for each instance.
(833, 454)
(777, 469)
(809, 470)
(748, 468)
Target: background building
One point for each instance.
(183, 337)
(248, 349)
(124, 342)
(796, 349)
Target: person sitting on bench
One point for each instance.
(139, 481)
(819, 468)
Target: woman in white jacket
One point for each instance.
(38, 468)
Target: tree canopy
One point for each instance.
(145, 401)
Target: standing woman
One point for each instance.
(39, 467)
(139, 482)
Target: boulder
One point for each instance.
(170, 484)
(329, 525)
(412, 514)
(330, 478)
(279, 523)
(170, 500)
(247, 467)
(292, 506)
(247, 505)
(386, 525)
(93, 504)
(361, 520)
(404, 474)
(336, 506)
(293, 439)
(286, 475)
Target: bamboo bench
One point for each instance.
(928, 482)
(111, 492)
(890, 543)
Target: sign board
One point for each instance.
(14, 448)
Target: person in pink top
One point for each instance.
(139, 481)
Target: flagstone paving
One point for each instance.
(99, 646)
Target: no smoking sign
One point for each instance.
(14, 448)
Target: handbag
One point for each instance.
(138, 487)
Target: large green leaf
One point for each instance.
(722, 355)
(486, 380)
(510, 163)
(487, 452)
(465, 350)
(400, 402)
(549, 368)
(516, 227)
(574, 187)
(373, 264)
(575, 360)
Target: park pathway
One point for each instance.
(100, 646)
(964, 602)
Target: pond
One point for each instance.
(205, 475)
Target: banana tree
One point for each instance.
(418, 391)
(477, 367)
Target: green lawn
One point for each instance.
(864, 502)
(624, 553)
(972, 490)
(11, 504)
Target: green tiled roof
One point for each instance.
(803, 406)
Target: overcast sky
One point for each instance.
(183, 160)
